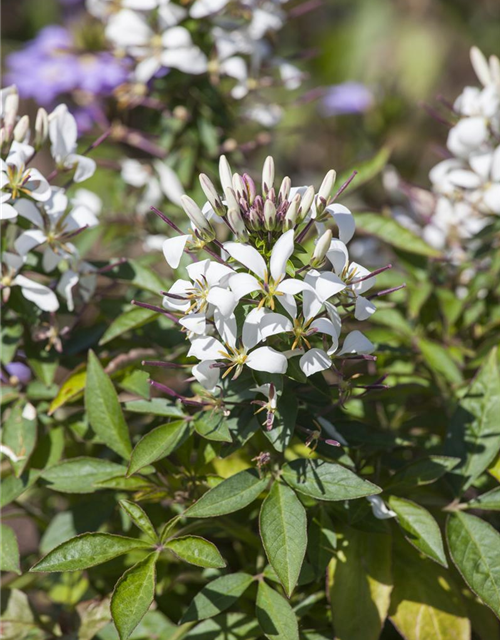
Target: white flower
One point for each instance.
(379, 508)
(158, 181)
(33, 291)
(63, 136)
(17, 180)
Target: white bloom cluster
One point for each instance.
(150, 32)
(261, 299)
(41, 216)
(467, 185)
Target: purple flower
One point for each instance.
(348, 97)
(49, 66)
(17, 372)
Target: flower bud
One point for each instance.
(21, 129)
(41, 127)
(321, 249)
(239, 186)
(197, 218)
(305, 205)
(325, 191)
(292, 213)
(211, 194)
(237, 224)
(254, 221)
(250, 188)
(284, 191)
(225, 173)
(267, 175)
(231, 199)
(11, 106)
(269, 215)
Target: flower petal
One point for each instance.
(379, 508)
(356, 342)
(251, 334)
(268, 360)
(206, 348)
(224, 300)
(41, 295)
(242, 284)
(282, 251)
(274, 323)
(29, 240)
(313, 361)
(173, 248)
(194, 323)
(227, 328)
(207, 375)
(293, 286)
(364, 308)
(344, 220)
(338, 255)
(248, 257)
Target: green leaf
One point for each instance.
(213, 427)
(367, 170)
(425, 602)
(71, 389)
(10, 336)
(139, 275)
(197, 551)
(217, 596)
(134, 592)
(19, 433)
(87, 550)
(158, 443)
(421, 472)
(284, 422)
(103, 409)
(489, 501)
(420, 528)
(439, 360)
(233, 494)
(322, 542)
(140, 518)
(360, 584)
(44, 363)
(283, 529)
(131, 319)
(227, 626)
(9, 550)
(80, 475)
(18, 621)
(276, 617)
(475, 549)
(136, 382)
(390, 231)
(155, 407)
(326, 480)
(13, 487)
(474, 433)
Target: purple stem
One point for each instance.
(371, 275)
(174, 394)
(152, 307)
(345, 185)
(167, 220)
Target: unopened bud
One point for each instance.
(321, 249)
(237, 224)
(194, 213)
(267, 175)
(284, 191)
(254, 221)
(250, 188)
(225, 173)
(3, 136)
(21, 129)
(269, 215)
(292, 213)
(41, 127)
(305, 205)
(211, 194)
(239, 186)
(231, 199)
(10, 112)
(323, 197)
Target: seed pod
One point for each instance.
(237, 224)
(321, 249)
(269, 215)
(225, 173)
(267, 175)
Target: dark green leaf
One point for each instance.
(155, 407)
(283, 529)
(80, 475)
(9, 550)
(421, 472)
(131, 319)
(103, 409)
(217, 596)
(475, 550)
(439, 360)
(489, 501)
(326, 480)
(231, 495)
(140, 518)
(19, 434)
(276, 617)
(158, 443)
(133, 595)
(366, 170)
(213, 427)
(227, 626)
(87, 550)
(197, 551)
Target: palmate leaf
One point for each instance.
(475, 549)
(217, 596)
(275, 615)
(133, 594)
(326, 481)
(283, 529)
(87, 550)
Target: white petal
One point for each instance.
(206, 348)
(39, 187)
(282, 251)
(197, 270)
(216, 272)
(203, 8)
(313, 361)
(327, 285)
(267, 359)
(194, 323)
(207, 375)
(251, 334)
(227, 328)
(356, 342)
(29, 240)
(324, 325)
(179, 288)
(248, 257)
(51, 259)
(173, 248)
(338, 256)
(224, 300)
(169, 182)
(293, 286)
(289, 305)
(364, 308)
(128, 29)
(7, 212)
(344, 219)
(42, 296)
(65, 287)
(242, 284)
(380, 510)
(274, 323)
(28, 209)
(361, 272)
(85, 167)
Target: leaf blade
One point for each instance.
(196, 550)
(157, 444)
(217, 596)
(276, 617)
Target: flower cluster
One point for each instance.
(467, 185)
(269, 296)
(41, 218)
